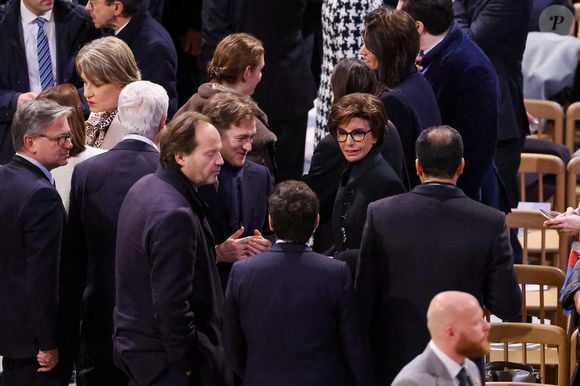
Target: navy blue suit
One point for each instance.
(169, 302)
(155, 53)
(466, 88)
(98, 188)
(254, 187)
(32, 219)
(73, 28)
(290, 319)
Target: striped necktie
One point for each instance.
(43, 52)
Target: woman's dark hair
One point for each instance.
(358, 105)
(392, 36)
(68, 95)
(352, 75)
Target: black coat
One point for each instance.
(32, 220)
(290, 319)
(168, 297)
(73, 28)
(418, 244)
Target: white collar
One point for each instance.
(28, 17)
(121, 27)
(437, 42)
(37, 163)
(142, 139)
(452, 367)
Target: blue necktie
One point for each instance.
(43, 52)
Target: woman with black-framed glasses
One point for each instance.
(358, 121)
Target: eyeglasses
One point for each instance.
(61, 140)
(95, 2)
(357, 135)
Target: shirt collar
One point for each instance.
(43, 169)
(121, 27)
(141, 138)
(28, 17)
(441, 38)
(452, 367)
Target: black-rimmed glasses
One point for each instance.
(61, 140)
(357, 135)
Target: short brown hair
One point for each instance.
(179, 137)
(391, 35)
(359, 105)
(293, 208)
(232, 55)
(225, 109)
(352, 75)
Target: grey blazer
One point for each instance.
(427, 369)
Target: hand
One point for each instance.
(191, 42)
(577, 301)
(565, 222)
(25, 98)
(47, 360)
(258, 244)
(234, 248)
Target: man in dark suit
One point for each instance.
(67, 27)
(420, 243)
(169, 302)
(98, 188)
(32, 218)
(500, 28)
(238, 202)
(464, 83)
(287, 89)
(458, 331)
(151, 44)
(290, 317)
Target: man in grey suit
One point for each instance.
(458, 331)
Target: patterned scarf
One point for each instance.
(97, 126)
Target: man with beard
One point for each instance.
(458, 331)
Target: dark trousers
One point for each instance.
(22, 372)
(95, 366)
(507, 159)
(291, 135)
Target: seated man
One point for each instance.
(458, 331)
(290, 318)
(237, 203)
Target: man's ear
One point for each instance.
(460, 167)
(180, 158)
(28, 144)
(420, 27)
(418, 167)
(119, 8)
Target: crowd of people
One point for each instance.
(158, 228)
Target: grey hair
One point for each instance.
(141, 106)
(33, 118)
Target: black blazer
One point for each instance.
(32, 219)
(500, 28)
(154, 52)
(168, 298)
(418, 244)
(98, 188)
(74, 28)
(290, 319)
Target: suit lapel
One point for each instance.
(437, 369)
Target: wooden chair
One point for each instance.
(573, 358)
(542, 165)
(536, 240)
(551, 112)
(546, 336)
(543, 303)
(572, 189)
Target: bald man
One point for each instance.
(458, 331)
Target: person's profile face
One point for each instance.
(101, 98)
(473, 334)
(103, 14)
(51, 148)
(368, 57)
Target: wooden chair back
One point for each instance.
(572, 171)
(542, 165)
(550, 111)
(546, 336)
(572, 116)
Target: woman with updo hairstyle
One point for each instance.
(236, 67)
(390, 48)
(68, 95)
(106, 65)
(327, 164)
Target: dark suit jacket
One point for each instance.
(363, 182)
(168, 297)
(290, 319)
(287, 88)
(413, 108)
(466, 88)
(418, 244)
(155, 53)
(98, 188)
(32, 220)
(255, 186)
(327, 165)
(74, 28)
(500, 28)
